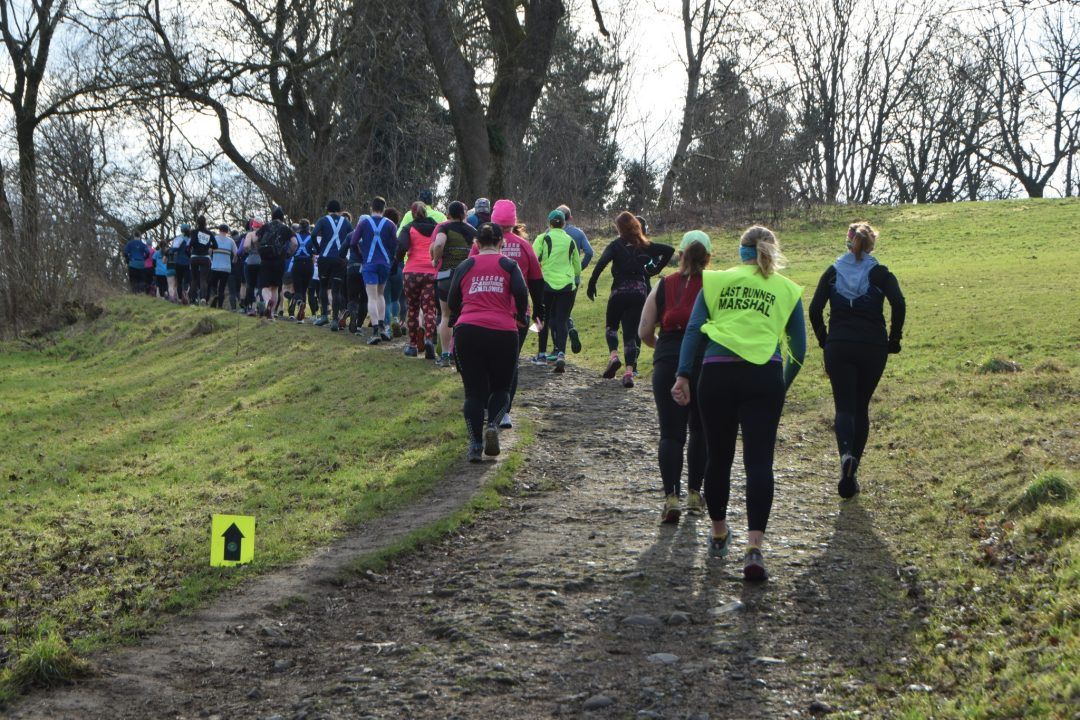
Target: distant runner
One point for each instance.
(856, 344)
(633, 261)
(451, 246)
(561, 265)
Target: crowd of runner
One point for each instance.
(466, 287)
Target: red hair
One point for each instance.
(630, 229)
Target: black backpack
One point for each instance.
(274, 241)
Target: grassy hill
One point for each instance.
(124, 435)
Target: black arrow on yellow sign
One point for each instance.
(233, 539)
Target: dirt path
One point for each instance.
(570, 601)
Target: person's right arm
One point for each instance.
(454, 299)
(605, 258)
(817, 305)
(891, 287)
(436, 249)
(692, 338)
(647, 326)
(518, 288)
(404, 239)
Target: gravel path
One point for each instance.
(570, 601)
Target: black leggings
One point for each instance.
(730, 396)
(313, 296)
(200, 279)
(356, 292)
(183, 277)
(137, 280)
(486, 360)
(674, 421)
(251, 277)
(624, 309)
(331, 285)
(219, 281)
(236, 279)
(558, 305)
(854, 371)
(302, 270)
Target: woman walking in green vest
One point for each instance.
(744, 313)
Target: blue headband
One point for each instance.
(747, 252)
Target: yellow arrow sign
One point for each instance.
(232, 540)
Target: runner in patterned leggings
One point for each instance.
(414, 240)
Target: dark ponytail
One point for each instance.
(489, 235)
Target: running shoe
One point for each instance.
(442, 361)
(560, 363)
(718, 546)
(475, 453)
(322, 320)
(848, 487)
(375, 339)
(694, 504)
(575, 341)
(540, 359)
(385, 334)
(300, 315)
(628, 379)
(429, 350)
(552, 357)
(410, 351)
(754, 566)
(491, 440)
(342, 321)
(613, 367)
(506, 423)
(334, 327)
(670, 514)
(292, 318)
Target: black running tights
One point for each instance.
(486, 360)
(730, 396)
(624, 310)
(675, 420)
(854, 371)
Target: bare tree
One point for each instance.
(705, 24)
(1033, 96)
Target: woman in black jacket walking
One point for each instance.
(856, 344)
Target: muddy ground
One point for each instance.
(571, 601)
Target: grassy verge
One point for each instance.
(486, 499)
(971, 471)
(125, 436)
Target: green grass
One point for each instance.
(123, 438)
(969, 471)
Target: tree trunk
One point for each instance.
(487, 142)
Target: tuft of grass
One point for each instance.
(997, 365)
(1051, 365)
(46, 661)
(1049, 487)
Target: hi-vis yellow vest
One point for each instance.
(747, 312)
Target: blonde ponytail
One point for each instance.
(861, 238)
(769, 257)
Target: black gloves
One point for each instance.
(591, 292)
(894, 347)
